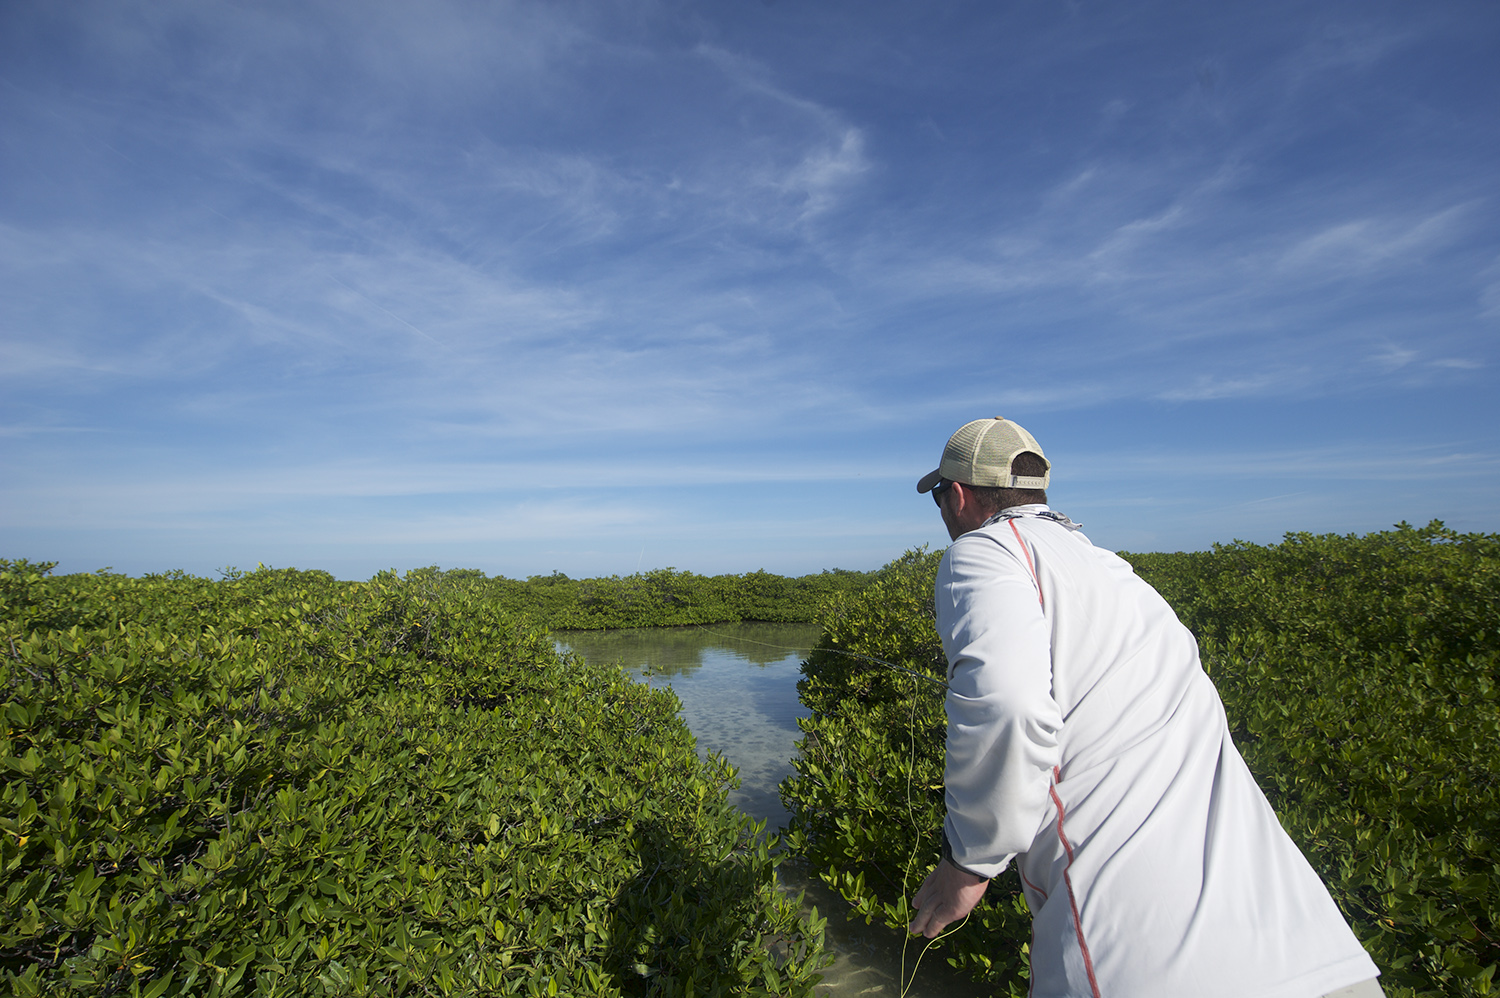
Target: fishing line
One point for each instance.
(911, 775)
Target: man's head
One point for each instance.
(987, 466)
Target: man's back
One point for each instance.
(1084, 736)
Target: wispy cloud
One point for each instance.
(830, 156)
(1205, 387)
(1363, 245)
(284, 263)
(1441, 461)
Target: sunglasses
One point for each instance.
(939, 489)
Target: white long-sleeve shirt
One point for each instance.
(1086, 741)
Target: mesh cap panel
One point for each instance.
(981, 452)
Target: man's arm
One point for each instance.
(1003, 724)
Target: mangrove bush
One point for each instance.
(662, 597)
(282, 784)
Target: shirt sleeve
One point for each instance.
(1003, 722)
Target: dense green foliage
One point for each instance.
(280, 784)
(1360, 679)
(662, 597)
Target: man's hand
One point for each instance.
(947, 895)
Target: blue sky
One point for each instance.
(595, 287)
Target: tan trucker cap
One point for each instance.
(980, 453)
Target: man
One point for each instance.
(1086, 743)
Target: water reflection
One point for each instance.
(738, 687)
(680, 650)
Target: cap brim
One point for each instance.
(930, 480)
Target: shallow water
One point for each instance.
(738, 687)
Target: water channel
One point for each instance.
(738, 688)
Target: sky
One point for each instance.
(604, 287)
